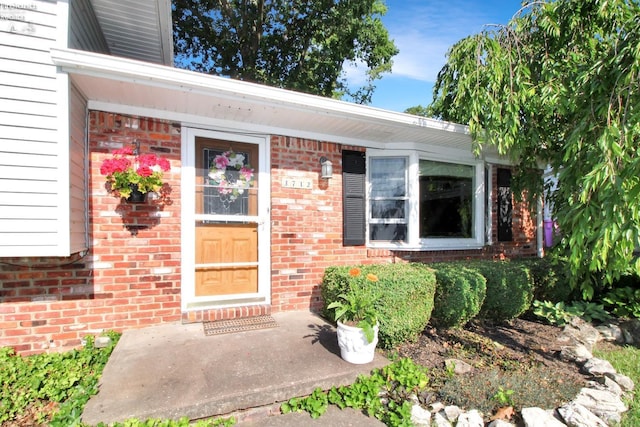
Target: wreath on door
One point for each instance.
(230, 175)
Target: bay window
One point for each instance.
(416, 202)
(446, 200)
(388, 199)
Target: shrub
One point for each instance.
(624, 302)
(460, 292)
(509, 289)
(622, 297)
(550, 279)
(405, 302)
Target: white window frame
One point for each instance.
(414, 242)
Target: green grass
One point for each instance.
(626, 360)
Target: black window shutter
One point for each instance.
(505, 207)
(353, 198)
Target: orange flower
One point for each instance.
(372, 277)
(354, 272)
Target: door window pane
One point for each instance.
(229, 178)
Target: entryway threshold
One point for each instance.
(175, 370)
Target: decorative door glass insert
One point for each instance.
(230, 177)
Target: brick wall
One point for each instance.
(130, 277)
(307, 227)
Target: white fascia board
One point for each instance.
(99, 65)
(166, 30)
(496, 159)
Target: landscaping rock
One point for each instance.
(577, 353)
(473, 418)
(420, 416)
(581, 332)
(606, 383)
(598, 367)
(622, 380)
(602, 403)
(436, 407)
(440, 420)
(631, 331)
(413, 398)
(537, 417)
(452, 412)
(611, 332)
(460, 367)
(576, 415)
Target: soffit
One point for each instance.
(183, 95)
(140, 29)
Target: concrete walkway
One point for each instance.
(172, 371)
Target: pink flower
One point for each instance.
(164, 164)
(147, 160)
(111, 166)
(247, 173)
(124, 151)
(221, 161)
(230, 175)
(144, 171)
(123, 169)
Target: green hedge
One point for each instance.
(509, 288)
(405, 303)
(460, 292)
(550, 278)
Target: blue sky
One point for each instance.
(424, 30)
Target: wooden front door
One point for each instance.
(226, 229)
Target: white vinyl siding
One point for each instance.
(84, 29)
(77, 171)
(28, 130)
(38, 214)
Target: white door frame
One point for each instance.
(187, 186)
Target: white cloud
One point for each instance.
(419, 58)
(355, 73)
(425, 30)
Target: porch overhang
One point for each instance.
(129, 86)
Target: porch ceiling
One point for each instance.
(187, 96)
(140, 29)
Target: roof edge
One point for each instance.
(96, 64)
(165, 22)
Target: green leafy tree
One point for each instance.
(559, 86)
(300, 45)
(418, 110)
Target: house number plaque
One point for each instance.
(303, 183)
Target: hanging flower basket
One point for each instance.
(230, 175)
(127, 172)
(136, 195)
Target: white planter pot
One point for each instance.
(354, 347)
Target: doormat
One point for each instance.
(219, 327)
